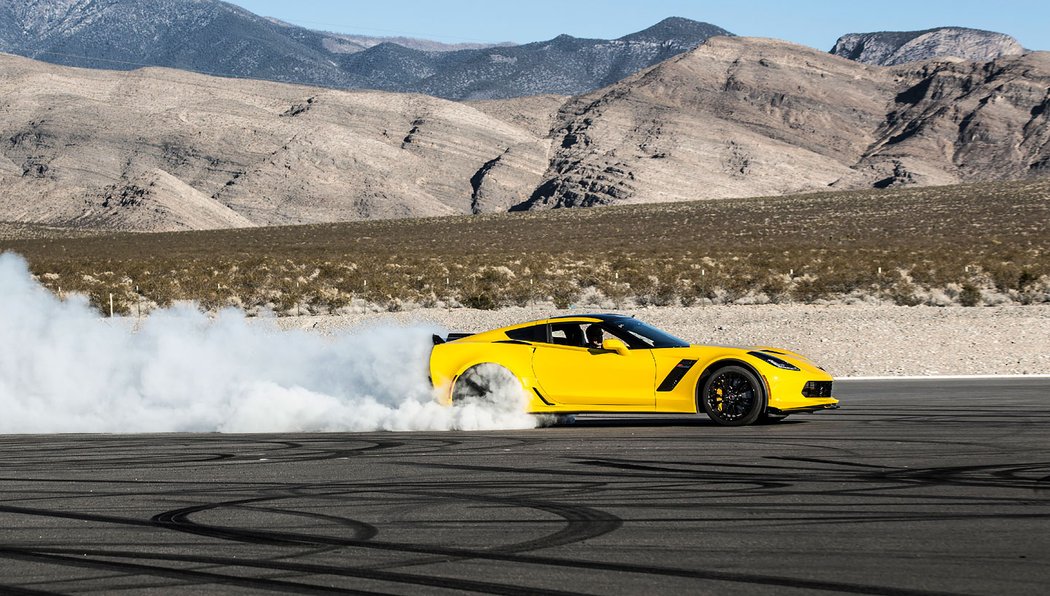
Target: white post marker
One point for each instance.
(111, 306)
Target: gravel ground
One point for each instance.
(847, 340)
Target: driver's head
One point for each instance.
(595, 335)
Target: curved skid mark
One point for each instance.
(61, 557)
(697, 574)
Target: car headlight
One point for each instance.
(774, 361)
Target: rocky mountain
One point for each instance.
(565, 65)
(890, 48)
(213, 37)
(157, 149)
(746, 117)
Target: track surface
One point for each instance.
(915, 487)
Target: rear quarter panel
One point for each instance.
(449, 360)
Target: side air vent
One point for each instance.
(676, 374)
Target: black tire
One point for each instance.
(483, 383)
(733, 396)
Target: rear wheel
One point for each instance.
(733, 396)
(486, 383)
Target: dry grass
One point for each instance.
(971, 245)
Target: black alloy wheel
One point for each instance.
(733, 396)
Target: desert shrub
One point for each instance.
(479, 299)
(776, 287)
(564, 295)
(808, 289)
(904, 293)
(833, 243)
(698, 289)
(969, 295)
(665, 294)
(1006, 275)
(520, 292)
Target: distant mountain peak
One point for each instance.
(676, 27)
(213, 37)
(890, 48)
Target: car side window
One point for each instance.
(567, 334)
(535, 333)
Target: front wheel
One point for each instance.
(733, 396)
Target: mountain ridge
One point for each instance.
(735, 117)
(214, 37)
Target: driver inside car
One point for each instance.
(595, 336)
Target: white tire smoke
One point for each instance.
(65, 369)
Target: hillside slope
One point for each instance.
(122, 150)
(151, 149)
(746, 117)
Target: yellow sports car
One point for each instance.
(616, 363)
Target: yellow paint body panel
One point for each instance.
(571, 379)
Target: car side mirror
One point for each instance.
(615, 345)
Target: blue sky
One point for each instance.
(815, 23)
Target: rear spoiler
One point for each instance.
(451, 337)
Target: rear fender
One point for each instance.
(450, 360)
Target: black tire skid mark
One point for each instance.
(987, 476)
(100, 560)
(72, 559)
(582, 523)
(310, 568)
(526, 559)
(784, 477)
(175, 454)
(871, 483)
(448, 554)
(824, 515)
(574, 519)
(359, 530)
(178, 520)
(7, 590)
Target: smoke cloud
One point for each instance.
(65, 369)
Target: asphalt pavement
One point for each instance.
(913, 487)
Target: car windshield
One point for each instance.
(641, 335)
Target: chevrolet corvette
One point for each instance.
(616, 363)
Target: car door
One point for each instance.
(570, 374)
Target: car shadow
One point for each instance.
(653, 421)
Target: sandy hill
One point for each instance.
(158, 149)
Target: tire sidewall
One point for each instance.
(757, 409)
